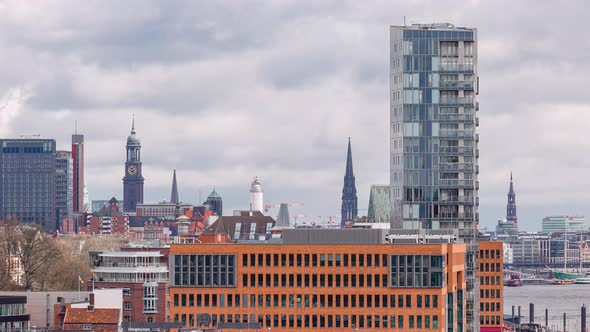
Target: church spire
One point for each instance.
(511, 206)
(174, 195)
(349, 198)
(133, 125)
(349, 161)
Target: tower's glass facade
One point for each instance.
(434, 144)
(27, 181)
(64, 188)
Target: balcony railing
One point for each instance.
(456, 183)
(457, 100)
(456, 117)
(455, 67)
(456, 133)
(456, 215)
(456, 167)
(457, 199)
(457, 150)
(456, 85)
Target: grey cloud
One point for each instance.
(227, 90)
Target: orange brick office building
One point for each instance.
(491, 289)
(318, 285)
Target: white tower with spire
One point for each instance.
(256, 196)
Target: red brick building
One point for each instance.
(491, 290)
(101, 313)
(356, 281)
(101, 320)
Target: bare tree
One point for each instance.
(37, 253)
(8, 245)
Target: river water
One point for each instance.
(557, 298)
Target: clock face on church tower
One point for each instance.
(132, 170)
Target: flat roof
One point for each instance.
(131, 254)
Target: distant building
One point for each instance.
(78, 180)
(13, 313)
(509, 227)
(27, 194)
(133, 180)
(529, 250)
(508, 254)
(564, 224)
(247, 225)
(283, 219)
(256, 196)
(40, 306)
(174, 198)
(349, 210)
(214, 203)
(164, 210)
(143, 276)
(97, 205)
(64, 190)
(379, 204)
(491, 276)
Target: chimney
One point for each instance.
(91, 302)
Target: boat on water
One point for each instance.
(567, 276)
(514, 281)
(582, 280)
(563, 281)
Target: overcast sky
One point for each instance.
(227, 90)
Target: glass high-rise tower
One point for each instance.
(434, 142)
(64, 190)
(27, 181)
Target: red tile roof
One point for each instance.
(97, 316)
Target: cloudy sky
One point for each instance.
(227, 90)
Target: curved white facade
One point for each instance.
(256, 196)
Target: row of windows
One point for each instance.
(489, 320)
(489, 294)
(314, 280)
(490, 267)
(490, 280)
(490, 254)
(315, 321)
(305, 301)
(330, 260)
(417, 270)
(204, 270)
(489, 306)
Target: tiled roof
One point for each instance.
(96, 316)
(227, 225)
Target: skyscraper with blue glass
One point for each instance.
(434, 144)
(27, 181)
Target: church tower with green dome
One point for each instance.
(133, 180)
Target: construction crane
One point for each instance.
(269, 207)
(297, 217)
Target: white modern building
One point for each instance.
(508, 254)
(564, 224)
(123, 266)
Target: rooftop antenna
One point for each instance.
(404, 20)
(75, 126)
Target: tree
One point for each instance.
(8, 245)
(37, 253)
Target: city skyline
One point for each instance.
(292, 93)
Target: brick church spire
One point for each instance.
(511, 206)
